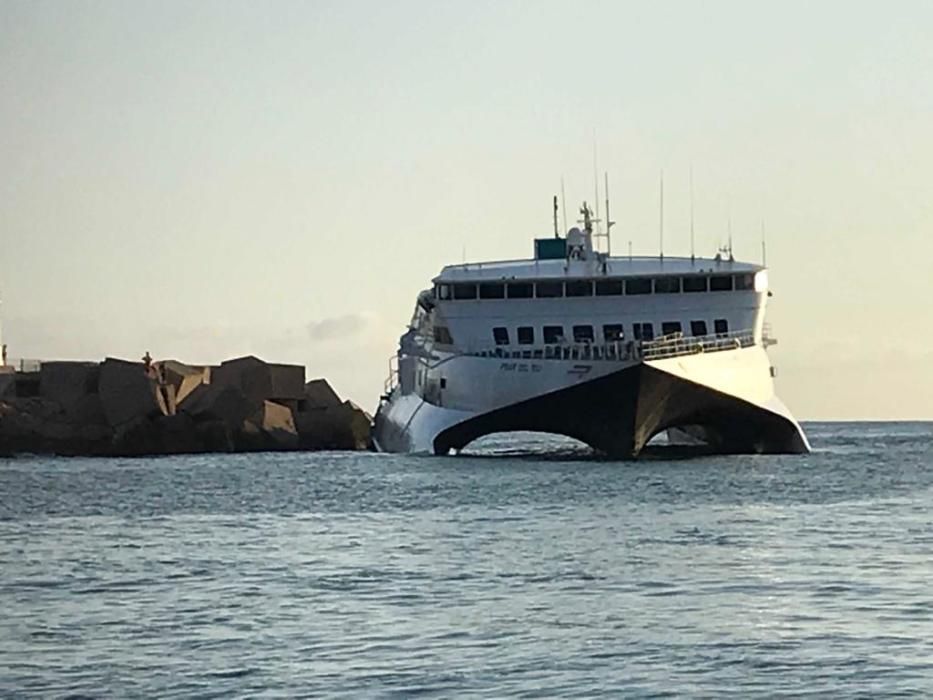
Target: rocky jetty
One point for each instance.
(122, 408)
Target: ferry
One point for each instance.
(612, 351)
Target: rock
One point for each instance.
(261, 381)
(137, 436)
(320, 394)
(225, 403)
(68, 383)
(215, 435)
(178, 434)
(185, 378)
(342, 427)
(7, 383)
(278, 425)
(127, 393)
(41, 426)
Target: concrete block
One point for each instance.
(278, 424)
(68, 382)
(126, 393)
(185, 378)
(343, 427)
(320, 394)
(261, 381)
(225, 403)
(7, 384)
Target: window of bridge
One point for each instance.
(667, 285)
(464, 291)
(606, 288)
(520, 290)
(547, 290)
(492, 290)
(743, 282)
(694, 284)
(720, 283)
(579, 288)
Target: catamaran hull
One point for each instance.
(722, 398)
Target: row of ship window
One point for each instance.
(602, 287)
(612, 332)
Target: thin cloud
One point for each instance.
(337, 327)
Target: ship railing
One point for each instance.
(673, 345)
(767, 335)
(392, 380)
(677, 345)
(612, 351)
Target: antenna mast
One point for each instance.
(609, 222)
(731, 258)
(764, 251)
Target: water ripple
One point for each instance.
(518, 569)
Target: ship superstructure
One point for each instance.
(608, 350)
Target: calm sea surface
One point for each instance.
(522, 570)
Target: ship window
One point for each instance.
(492, 290)
(667, 285)
(464, 291)
(606, 288)
(500, 335)
(549, 289)
(744, 282)
(583, 334)
(442, 335)
(580, 288)
(526, 335)
(720, 283)
(720, 326)
(520, 290)
(639, 285)
(443, 291)
(697, 328)
(694, 284)
(553, 334)
(671, 327)
(643, 331)
(613, 332)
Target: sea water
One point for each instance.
(523, 568)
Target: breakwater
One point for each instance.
(122, 408)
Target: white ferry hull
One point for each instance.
(725, 397)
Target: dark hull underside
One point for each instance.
(618, 414)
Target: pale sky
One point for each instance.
(209, 179)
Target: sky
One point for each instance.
(204, 180)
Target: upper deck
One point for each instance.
(619, 266)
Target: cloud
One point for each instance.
(337, 327)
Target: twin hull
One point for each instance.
(725, 399)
